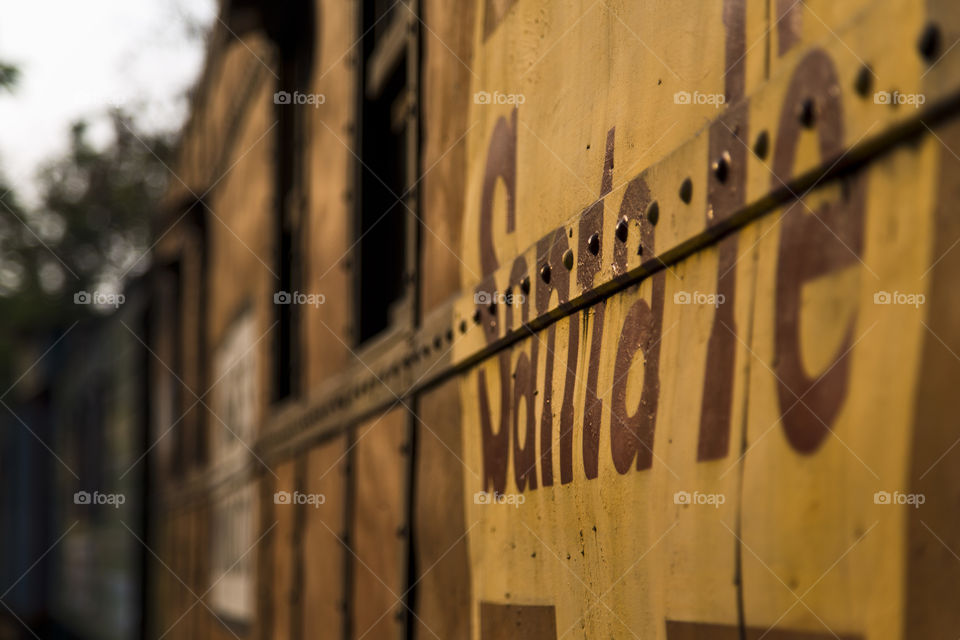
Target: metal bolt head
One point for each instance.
(864, 81)
(568, 259)
(929, 42)
(761, 146)
(545, 273)
(653, 213)
(807, 113)
(623, 228)
(593, 244)
(721, 167)
(686, 191)
(525, 285)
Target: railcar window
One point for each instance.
(292, 26)
(388, 140)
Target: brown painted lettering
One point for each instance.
(525, 455)
(550, 250)
(726, 186)
(631, 434)
(812, 245)
(495, 445)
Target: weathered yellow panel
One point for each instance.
(572, 70)
(838, 329)
(786, 497)
(604, 533)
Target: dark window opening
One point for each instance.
(172, 282)
(385, 175)
(292, 28)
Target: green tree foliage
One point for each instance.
(90, 232)
(8, 75)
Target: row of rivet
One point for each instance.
(928, 46)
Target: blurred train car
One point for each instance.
(541, 320)
(74, 446)
(26, 471)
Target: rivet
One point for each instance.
(622, 229)
(653, 213)
(545, 273)
(686, 191)
(437, 342)
(492, 306)
(463, 326)
(762, 144)
(476, 316)
(807, 113)
(864, 82)
(525, 285)
(929, 42)
(568, 259)
(721, 167)
(593, 244)
(450, 335)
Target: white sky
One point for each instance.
(77, 57)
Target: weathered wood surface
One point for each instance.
(725, 398)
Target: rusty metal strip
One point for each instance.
(650, 222)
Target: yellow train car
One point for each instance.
(566, 319)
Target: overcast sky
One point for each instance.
(78, 57)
